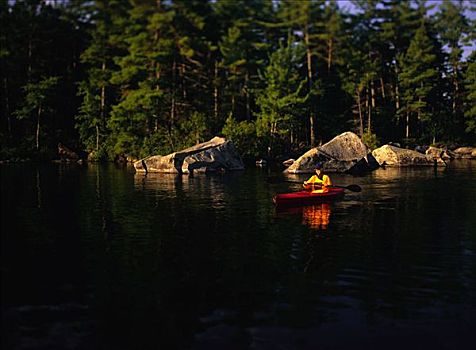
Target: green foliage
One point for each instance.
(470, 81)
(150, 77)
(371, 140)
(37, 96)
(243, 135)
(37, 103)
(419, 78)
(194, 129)
(282, 100)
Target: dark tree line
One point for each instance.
(140, 77)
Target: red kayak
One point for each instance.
(307, 197)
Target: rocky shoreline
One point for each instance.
(345, 153)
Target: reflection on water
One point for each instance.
(316, 217)
(98, 257)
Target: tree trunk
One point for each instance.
(397, 91)
(102, 105)
(382, 87)
(247, 96)
(30, 54)
(233, 104)
(172, 105)
(182, 80)
(312, 136)
(372, 105)
(372, 94)
(456, 88)
(369, 120)
(361, 119)
(397, 97)
(233, 92)
(215, 93)
(329, 54)
(103, 92)
(38, 128)
(407, 127)
(367, 106)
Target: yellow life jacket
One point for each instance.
(323, 183)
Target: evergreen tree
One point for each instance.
(39, 41)
(354, 78)
(96, 90)
(5, 63)
(329, 55)
(366, 36)
(400, 22)
(145, 80)
(282, 100)
(453, 28)
(242, 50)
(302, 18)
(37, 103)
(418, 79)
(141, 77)
(470, 108)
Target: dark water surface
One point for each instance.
(97, 257)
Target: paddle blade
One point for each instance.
(354, 188)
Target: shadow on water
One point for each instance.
(98, 257)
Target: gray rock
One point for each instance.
(213, 155)
(465, 152)
(341, 154)
(289, 162)
(394, 156)
(220, 158)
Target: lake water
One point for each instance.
(98, 257)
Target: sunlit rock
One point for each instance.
(465, 152)
(288, 162)
(214, 155)
(341, 154)
(395, 156)
(439, 153)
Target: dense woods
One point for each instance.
(132, 78)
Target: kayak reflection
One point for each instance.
(316, 216)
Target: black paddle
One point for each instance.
(353, 188)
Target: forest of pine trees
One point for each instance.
(133, 78)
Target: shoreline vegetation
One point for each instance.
(121, 81)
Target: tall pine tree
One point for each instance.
(418, 79)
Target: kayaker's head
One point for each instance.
(319, 170)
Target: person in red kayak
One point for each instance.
(319, 182)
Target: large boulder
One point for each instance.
(465, 152)
(394, 156)
(219, 158)
(344, 153)
(213, 155)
